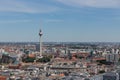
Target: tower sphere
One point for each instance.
(40, 33)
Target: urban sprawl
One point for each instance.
(59, 60)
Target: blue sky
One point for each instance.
(60, 20)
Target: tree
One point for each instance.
(44, 59)
(102, 71)
(104, 62)
(81, 57)
(28, 59)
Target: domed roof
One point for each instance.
(6, 53)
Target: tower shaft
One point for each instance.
(40, 46)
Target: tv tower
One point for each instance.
(40, 34)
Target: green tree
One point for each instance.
(44, 59)
(28, 59)
(102, 71)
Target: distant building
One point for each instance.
(6, 59)
(112, 57)
(111, 76)
(3, 78)
(97, 77)
(106, 76)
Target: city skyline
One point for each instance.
(60, 20)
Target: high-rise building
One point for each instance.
(112, 57)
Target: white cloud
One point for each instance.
(25, 7)
(28, 20)
(92, 3)
(53, 20)
(14, 21)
